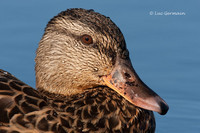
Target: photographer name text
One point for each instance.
(166, 13)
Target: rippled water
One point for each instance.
(164, 49)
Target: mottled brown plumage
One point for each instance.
(82, 86)
(97, 110)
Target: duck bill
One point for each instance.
(125, 81)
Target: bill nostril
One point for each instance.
(127, 75)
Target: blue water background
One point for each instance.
(164, 49)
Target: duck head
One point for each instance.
(81, 50)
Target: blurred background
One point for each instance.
(164, 47)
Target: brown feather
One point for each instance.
(97, 110)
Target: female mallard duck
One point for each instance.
(85, 82)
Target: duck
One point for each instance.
(85, 82)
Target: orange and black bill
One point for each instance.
(125, 81)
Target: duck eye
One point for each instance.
(86, 39)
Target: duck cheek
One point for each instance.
(124, 80)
